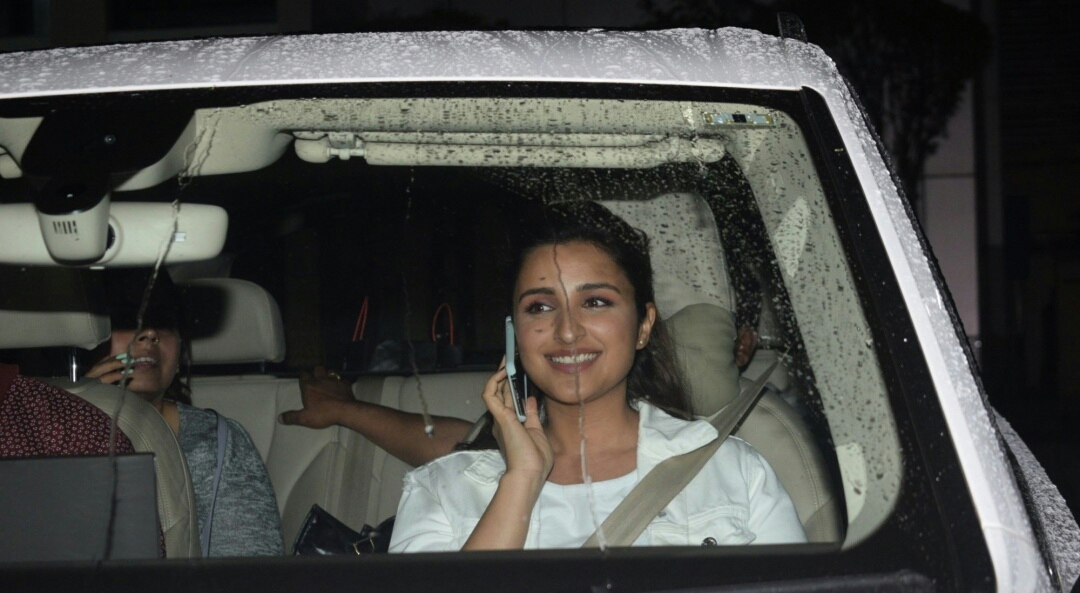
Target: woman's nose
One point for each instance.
(567, 328)
(148, 336)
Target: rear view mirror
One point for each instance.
(137, 233)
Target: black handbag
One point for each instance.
(322, 534)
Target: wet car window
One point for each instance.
(382, 228)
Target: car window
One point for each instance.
(382, 226)
(408, 222)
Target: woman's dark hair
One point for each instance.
(655, 376)
(180, 388)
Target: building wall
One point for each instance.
(949, 216)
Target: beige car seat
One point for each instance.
(698, 294)
(48, 307)
(773, 427)
(149, 433)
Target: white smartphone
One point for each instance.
(515, 375)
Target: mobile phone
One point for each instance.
(515, 376)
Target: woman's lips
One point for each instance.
(572, 362)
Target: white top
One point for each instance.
(735, 499)
(568, 520)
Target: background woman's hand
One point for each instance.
(525, 446)
(109, 370)
(324, 395)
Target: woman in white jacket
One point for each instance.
(613, 406)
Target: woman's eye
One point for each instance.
(534, 308)
(596, 302)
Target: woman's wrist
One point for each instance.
(505, 523)
(523, 482)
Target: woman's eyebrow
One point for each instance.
(548, 291)
(598, 286)
(544, 290)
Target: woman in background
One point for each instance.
(245, 520)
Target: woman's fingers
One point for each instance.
(108, 378)
(536, 432)
(525, 447)
(492, 394)
(108, 371)
(532, 414)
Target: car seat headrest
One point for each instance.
(704, 338)
(42, 307)
(693, 293)
(687, 256)
(233, 321)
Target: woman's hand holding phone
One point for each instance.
(109, 370)
(524, 445)
(529, 459)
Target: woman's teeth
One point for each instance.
(129, 367)
(575, 359)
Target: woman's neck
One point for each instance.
(606, 424)
(609, 433)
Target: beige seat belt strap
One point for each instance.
(669, 477)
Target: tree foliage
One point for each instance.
(908, 61)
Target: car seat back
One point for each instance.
(149, 433)
(447, 394)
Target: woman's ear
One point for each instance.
(645, 329)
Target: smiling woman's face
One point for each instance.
(156, 359)
(577, 324)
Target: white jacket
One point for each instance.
(735, 499)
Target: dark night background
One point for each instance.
(976, 115)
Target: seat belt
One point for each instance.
(222, 438)
(630, 518)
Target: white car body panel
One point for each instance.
(732, 57)
(728, 57)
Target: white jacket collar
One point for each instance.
(660, 436)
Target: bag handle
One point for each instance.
(435, 321)
(630, 518)
(361, 322)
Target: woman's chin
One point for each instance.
(146, 388)
(571, 395)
